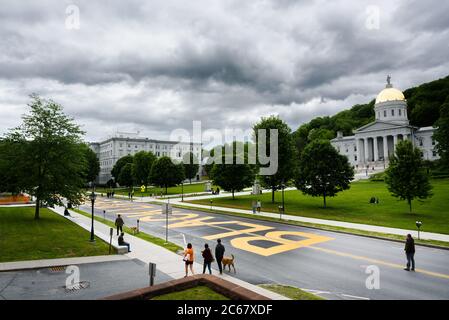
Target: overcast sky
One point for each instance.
(155, 66)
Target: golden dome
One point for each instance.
(390, 94)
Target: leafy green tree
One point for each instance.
(117, 168)
(49, 161)
(232, 177)
(287, 154)
(9, 178)
(164, 173)
(441, 134)
(126, 176)
(142, 165)
(323, 171)
(406, 177)
(321, 134)
(191, 166)
(92, 164)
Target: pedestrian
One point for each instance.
(218, 190)
(121, 242)
(208, 258)
(219, 253)
(254, 206)
(259, 205)
(119, 224)
(113, 192)
(410, 252)
(66, 212)
(188, 259)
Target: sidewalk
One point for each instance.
(342, 224)
(166, 261)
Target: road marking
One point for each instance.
(380, 262)
(354, 297)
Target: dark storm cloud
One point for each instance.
(157, 66)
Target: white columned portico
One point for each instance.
(376, 150)
(385, 139)
(395, 142)
(365, 140)
(359, 151)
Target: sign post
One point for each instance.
(166, 209)
(152, 272)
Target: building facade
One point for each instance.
(371, 145)
(121, 144)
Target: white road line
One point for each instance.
(355, 297)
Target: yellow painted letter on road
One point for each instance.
(251, 228)
(276, 236)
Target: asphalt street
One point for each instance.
(333, 265)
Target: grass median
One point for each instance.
(52, 236)
(144, 236)
(291, 292)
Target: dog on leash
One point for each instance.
(228, 261)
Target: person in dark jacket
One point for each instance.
(219, 253)
(208, 258)
(119, 224)
(410, 252)
(121, 242)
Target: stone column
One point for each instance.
(385, 138)
(359, 150)
(366, 150)
(395, 142)
(376, 150)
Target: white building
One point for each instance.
(372, 145)
(121, 144)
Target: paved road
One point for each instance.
(331, 264)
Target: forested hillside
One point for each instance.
(423, 102)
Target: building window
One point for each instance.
(421, 143)
(355, 158)
(400, 112)
(355, 148)
(385, 113)
(434, 153)
(392, 112)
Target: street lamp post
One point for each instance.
(182, 191)
(92, 196)
(282, 207)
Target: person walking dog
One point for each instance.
(219, 253)
(410, 252)
(208, 258)
(119, 224)
(188, 259)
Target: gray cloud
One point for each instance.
(156, 66)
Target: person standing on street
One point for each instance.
(219, 253)
(188, 259)
(410, 252)
(119, 224)
(208, 258)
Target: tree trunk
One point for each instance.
(165, 189)
(324, 199)
(233, 194)
(272, 195)
(36, 212)
(410, 205)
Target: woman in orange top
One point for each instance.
(188, 258)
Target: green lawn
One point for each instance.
(291, 292)
(197, 293)
(52, 236)
(353, 206)
(188, 188)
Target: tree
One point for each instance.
(406, 177)
(92, 164)
(126, 177)
(323, 171)
(142, 165)
(191, 166)
(441, 134)
(232, 177)
(286, 152)
(165, 173)
(48, 159)
(9, 177)
(115, 172)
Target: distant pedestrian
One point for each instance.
(188, 259)
(254, 206)
(208, 258)
(66, 212)
(113, 192)
(410, 252)
(219, 253)
(119, 224)
(259, 206)
(218, 190)
(121, 242)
